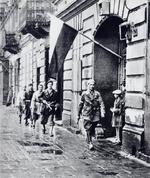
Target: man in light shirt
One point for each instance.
(36, 104)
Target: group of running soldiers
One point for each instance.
(40, 104)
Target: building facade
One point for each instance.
(4, 63)
(24, 28)
(123, 27)
(112, 46)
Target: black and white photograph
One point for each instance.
(74, 88)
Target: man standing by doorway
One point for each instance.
(48, 111)
(91, 107)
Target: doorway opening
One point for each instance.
(109, 70)
(38, 77)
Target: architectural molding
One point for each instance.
(75, 8)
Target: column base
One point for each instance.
(133, 139)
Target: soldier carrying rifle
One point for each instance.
(48, 109)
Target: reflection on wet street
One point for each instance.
(28, 153)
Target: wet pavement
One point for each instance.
(27, 153)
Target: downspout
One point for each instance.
(146, 93)
(146, 53)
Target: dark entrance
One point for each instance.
(109, 70)
(60, 93)
(38, 77)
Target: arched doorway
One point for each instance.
(109, 70)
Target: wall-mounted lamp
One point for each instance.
(127, 31)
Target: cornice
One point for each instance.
(75, 9)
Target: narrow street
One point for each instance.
(26, 154)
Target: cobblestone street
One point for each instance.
(24, 154)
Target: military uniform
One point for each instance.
(91, 108)
(27, 112)
(48, 108)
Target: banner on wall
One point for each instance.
(61, 39)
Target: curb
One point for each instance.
(133, 158)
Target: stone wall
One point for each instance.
(78, 67)
(133, 132)
(88, 18)
(147, 104)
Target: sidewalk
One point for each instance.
(24, 154)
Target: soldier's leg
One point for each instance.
(32, 121)
(88, 138)
(25, 118)
(44, 119)
(51, 124)
(92, 132)
(20, 113)
(38, 127)
(44, 128)
(118, 134)
(20, 119)
(30, 117)
(34, 117)
(27, 115)
(87, 126)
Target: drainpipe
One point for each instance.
(146, 93)
(146, 52)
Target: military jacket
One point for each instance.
(91, 106)
(28, 97)
(50, 97)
